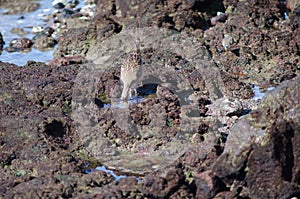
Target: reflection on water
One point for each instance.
(259, 95)
(118, 103)
(112, 173)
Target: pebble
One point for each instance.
(36, 29)
(20, 31)
(221, 18)
(89, 10)
(48, 31)
(59, 6)
(44, 43)
(68, 12)
(21, 43)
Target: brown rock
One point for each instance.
(261, 153)
(224, 195)
(219, 19)
(155, 186)
(21, 43)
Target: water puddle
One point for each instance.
(144, 92)
(118, 103)
(259, 95)
(110, 172)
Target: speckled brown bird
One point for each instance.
(129, 71)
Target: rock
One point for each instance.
(21, 43)
(225, 107)
(260, 158)
(221, 18)
(20, 31)
(98, 30)
(1, 41)
(207, 184)
(59, 5)
(44, 43)
(48, 31)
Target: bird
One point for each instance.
(129, 72)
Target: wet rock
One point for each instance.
(178, 15)
(48, 31)
(1, 41)
(42, 32)
(44, 42)
(59, 5)
(235, 87)
(21, 43)
(260, 155)
(221, 18)
(20, 31)
(68, 12)
(69, 4)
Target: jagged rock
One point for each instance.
(261, 155)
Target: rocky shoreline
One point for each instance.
(197, 132)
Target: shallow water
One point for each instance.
(259, 95)
(112, 173)
(118, 103)
(26, 21)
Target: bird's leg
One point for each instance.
(125, 92)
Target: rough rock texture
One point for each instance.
(113, 16)
(81, 39)
(220, 152)
(260, 158)
(21, 43)
(265, 47)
